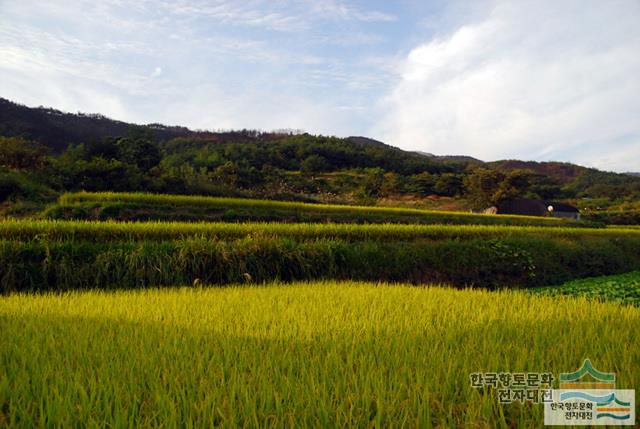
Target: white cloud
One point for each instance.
(64, 93)
(336, 9)
(285, 15)
(250, 13)
(199, 63)
(211, 106)
(538, 80)
(45, 57)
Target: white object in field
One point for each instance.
(550, 208)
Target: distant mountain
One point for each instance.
(454, 158)
(561, 171)
(283, 164)
(57, 129)
(367, 141)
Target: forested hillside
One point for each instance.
(44, 152)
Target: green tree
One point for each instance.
(101, 174)
(372, 183)
(449, 184)
(421, 184)
(514, 184)
(106, 148)
(314, 164)
(140, 152)
(482, 188)
(20, 154)
(226, 174)
(392, 184)
(485, 188)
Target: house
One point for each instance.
(529, 207)
(563, 210)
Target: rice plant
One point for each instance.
(112, 230)
(307, 355)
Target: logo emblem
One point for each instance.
(589, 397)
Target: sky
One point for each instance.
(494, 79)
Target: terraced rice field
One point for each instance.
(64, 255)
(330, 354)
(142, 206)
(95, 332)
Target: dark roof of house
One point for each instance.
(562, 207)
(526, 206)
(522, 206)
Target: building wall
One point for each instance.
(566, 215)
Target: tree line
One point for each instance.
(282, 165)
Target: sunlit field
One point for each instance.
(309, 354)
(145, 206)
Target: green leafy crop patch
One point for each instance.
(623, 288)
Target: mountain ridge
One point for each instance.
(57, 129)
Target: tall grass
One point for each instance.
(61, 255)
(141, 206)
(311, 355)
(616, 217)
(627, 227)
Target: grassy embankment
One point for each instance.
(62, 255)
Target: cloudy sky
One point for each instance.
(541, 80)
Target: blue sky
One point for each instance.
(542, 80)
